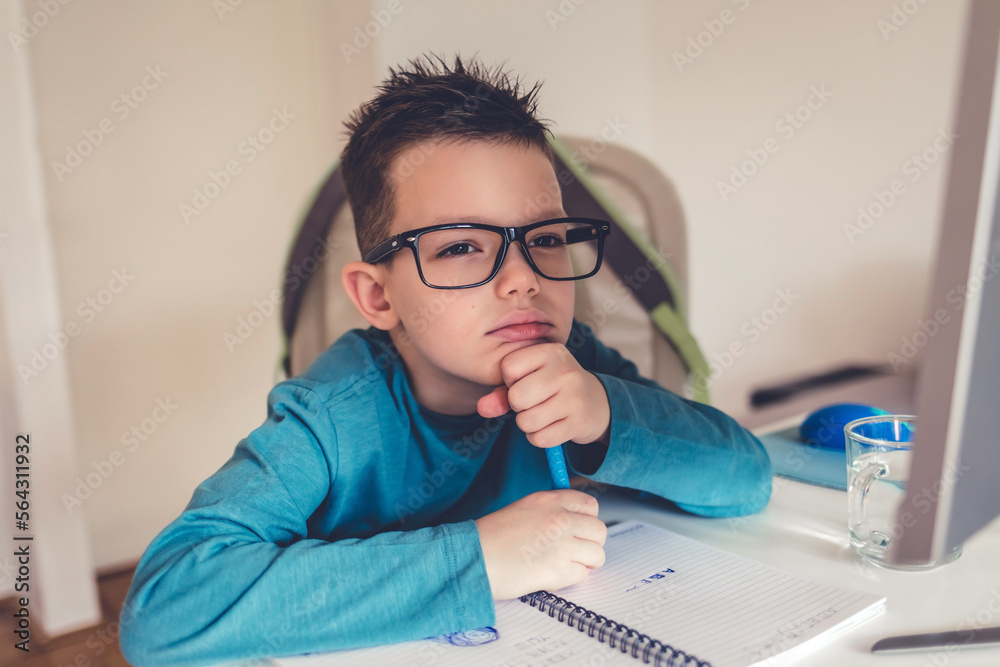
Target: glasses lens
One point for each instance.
(564, 249)
(463, 257)
(458, 257)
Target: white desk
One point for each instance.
(804, 530)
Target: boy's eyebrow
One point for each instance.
(482, 220)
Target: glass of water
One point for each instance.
(879, 455)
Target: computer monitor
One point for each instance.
(954, 487)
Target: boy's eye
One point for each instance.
(456, 250)
(546, 241)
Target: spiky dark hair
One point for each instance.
(427, 100)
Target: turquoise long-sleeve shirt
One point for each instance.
(347, 518)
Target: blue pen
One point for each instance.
(557, 467)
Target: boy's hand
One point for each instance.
(555, 399)
(546, 540)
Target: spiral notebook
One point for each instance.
(660, 599)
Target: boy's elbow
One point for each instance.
(756, 497)
(752, 483)
(136, 650)
(744, 502)
(745, 488)
(139, 643)
(146, 642)
(150, 631)
(751, 475)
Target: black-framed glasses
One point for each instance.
(468, 254)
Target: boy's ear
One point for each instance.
(365, 284)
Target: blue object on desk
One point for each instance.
(815, 452)
(825, 427)
(557, 466)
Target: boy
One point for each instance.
(309, 538)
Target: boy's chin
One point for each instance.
(492, 379)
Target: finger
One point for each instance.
(534, 419)
(590, 529)
(525, 360)
(493, 404)
(572, 573)
(551, 435)
(534, 388)
(575, 501)
(589, 554)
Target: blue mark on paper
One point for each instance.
(469, 637)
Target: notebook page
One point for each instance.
(720, 607)
(723, 608)
(527, 638)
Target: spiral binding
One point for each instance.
(640, 646)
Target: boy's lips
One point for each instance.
(518, 332)
(522, 326)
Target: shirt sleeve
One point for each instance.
(237, 575)
(686, 452)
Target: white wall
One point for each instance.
(161, 337)
(155, 335)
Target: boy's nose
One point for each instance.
(516, 274)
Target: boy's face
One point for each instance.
(453, 340)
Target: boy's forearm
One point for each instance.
(203, 600)
(686, 452)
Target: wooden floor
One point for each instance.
(91, 647)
